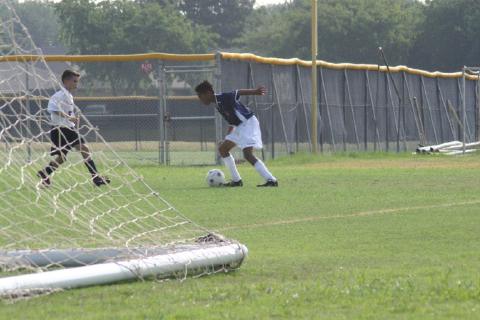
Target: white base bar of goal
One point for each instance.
(163, 266)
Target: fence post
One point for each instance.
(464, 109)
(297, 133)
(429, 106)
(387, 122)
(477, 111)
(161, 112)
(272, 120)
(218, 118)
(439, 99)
(29, 111)
(350, 102)
(404, 83)
(306, 116)
(365, 116)
(344, 112)
(284, 130)
(251, 84)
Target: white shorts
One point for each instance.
(247, 134)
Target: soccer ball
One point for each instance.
(215, 178)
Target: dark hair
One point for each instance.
(68, 74)
(204, 87)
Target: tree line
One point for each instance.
(431, 34)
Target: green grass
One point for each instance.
(370, 236)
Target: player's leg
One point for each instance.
(229, 162)
(59, 150)
(45, 173)
(90, 164)
(261, 168)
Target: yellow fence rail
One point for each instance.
(228, 56)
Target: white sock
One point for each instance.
(230, 164)
(262, 169)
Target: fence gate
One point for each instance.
(189, 130)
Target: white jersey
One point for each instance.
(61, 101)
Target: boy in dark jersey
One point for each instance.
(244, 130)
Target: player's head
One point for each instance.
(70, 79)
(205, 92)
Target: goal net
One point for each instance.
(72, 233)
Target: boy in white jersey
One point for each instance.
(63, 133)
(243, 130)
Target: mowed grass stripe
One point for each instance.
(353, 215)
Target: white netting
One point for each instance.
(62, 224)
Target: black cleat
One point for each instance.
(45, 179)
(238, 183)
(269, 183)
(99, 180)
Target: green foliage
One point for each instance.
(40, 20)
(121, 27)
(223, 17)
(439, 34)
(449, 37)
(348, 30)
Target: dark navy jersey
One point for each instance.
(232, 110)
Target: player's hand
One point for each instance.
(73, 119)
(261, 91)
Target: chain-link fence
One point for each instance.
(145, 105)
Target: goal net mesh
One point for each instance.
(72, 222)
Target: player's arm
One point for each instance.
(260, 91)
(53, 107)
(66, 116)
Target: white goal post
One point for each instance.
(192, 261)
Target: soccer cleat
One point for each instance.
(269, 183)
(99, 180)
(238, 183)
(45, 179)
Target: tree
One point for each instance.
(348, 30)
(121, 27)
(449, 37)
(226, 18)
(40, 20)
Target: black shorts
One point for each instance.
(63, 140)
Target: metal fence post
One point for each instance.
(344, 112)
(29, 113)
(276, 95)
(404, 81)
(218, 118)
(307, 123)
(387, 122)
(365, 116)
(297, 133)
(350, 102)
(251, 83)
(439, 100)
(464, 109)
(327, 109)
(477, 111)
(161, 112)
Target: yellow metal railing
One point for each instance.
(228, 56)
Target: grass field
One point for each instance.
(372, 236)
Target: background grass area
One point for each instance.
(371, 236)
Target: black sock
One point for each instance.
(91, 167)
(49, 169)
